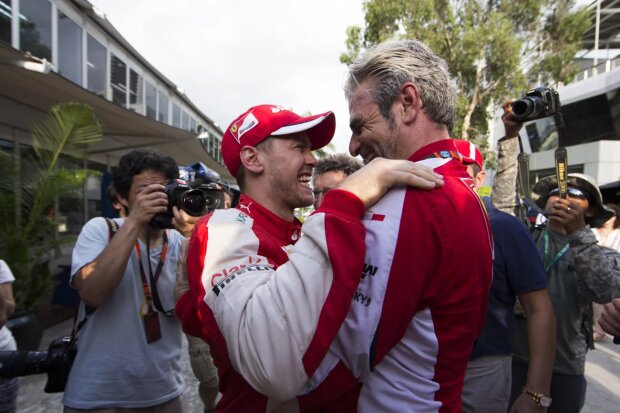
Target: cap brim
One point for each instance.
(320, 129)
(545, 185)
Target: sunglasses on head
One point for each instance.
(572, 192)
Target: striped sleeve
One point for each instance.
(279, 322)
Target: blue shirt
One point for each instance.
(517, 269)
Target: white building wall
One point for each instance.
(600, 160)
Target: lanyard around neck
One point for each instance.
(154, 277)
(558, 255)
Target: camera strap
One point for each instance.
(524, 200)
(152, 298)
(561, 170)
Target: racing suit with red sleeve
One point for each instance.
(270, 310)
(414, 317)
(422, 299)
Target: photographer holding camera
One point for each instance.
(578, 271)
(129, 349)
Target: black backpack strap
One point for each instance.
(112, 228)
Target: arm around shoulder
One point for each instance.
(278, 323)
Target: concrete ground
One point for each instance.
(602, 373)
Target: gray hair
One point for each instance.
(390, 64)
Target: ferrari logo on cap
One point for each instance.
(247, 123)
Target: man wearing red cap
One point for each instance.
(269, 309)
(517, 272)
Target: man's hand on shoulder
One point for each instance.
(372, 181)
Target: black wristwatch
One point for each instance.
(540, 399)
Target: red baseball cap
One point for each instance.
(469, 152)
(262, 121)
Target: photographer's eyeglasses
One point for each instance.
(318, 192)
(572, 192)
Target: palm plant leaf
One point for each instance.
(69, 126)
(50, 185)
(27, 240)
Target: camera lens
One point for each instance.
(213, 200)
(194, 202)
(527, 108)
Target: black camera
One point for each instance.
(194, 201)
(56, 362)
(536, 103)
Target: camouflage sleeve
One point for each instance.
(597, 268)
(504, 191)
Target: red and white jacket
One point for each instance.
(270, 310)
(422, 299)
(410, 327)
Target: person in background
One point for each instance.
(329, 172)
(608, 235)
(578, 270)
(129, 348)
(517, 273)
(8, 387)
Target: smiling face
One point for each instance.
(288, 169)
(372, 135)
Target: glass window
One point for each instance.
(135, 92)
(192, 124)
(118, 81)
(35, 28)
(163, 108)
(176, 116)
(69, 49)
(5, 21)
(184, 119)
(95, 66)
(587, 120)
(206, 143)
(212, 148)
(150, 92)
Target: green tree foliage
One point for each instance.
(28, 191)
(495, 48)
